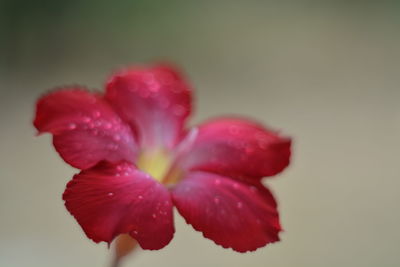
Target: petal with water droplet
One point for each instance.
(238, 148)
(228, 212)
(84, 127)
(155, 101)
(107, 205)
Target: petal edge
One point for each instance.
(231, 213)
(112, 199)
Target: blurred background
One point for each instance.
(326, 73)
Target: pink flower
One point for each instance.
(138, 160)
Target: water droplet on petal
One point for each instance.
(112, 147)
(144, 93)
(176, 89)
(86, 119)
(140, 197)
(262, 144)
(234, 130)
(110, 194)
(217, 182)
(107, 125)
(71, 126)
(135, 232)
(96, 114)
(154, 215)
(208, 211)
(117, 137)
(253, 189)
(249, 149)
(239, 205)
(164, 102)
(216, 200)
(154, 87)
(179, 110)
(133, 88)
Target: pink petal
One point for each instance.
(112, 199)
(156, 101)
(86, 130)
(231, 213)
(237, 148)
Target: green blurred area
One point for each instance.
(54, 33)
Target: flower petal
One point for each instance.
(231, 213)
(156, 101)
(112, 199)
(237, 148)
(86, 130)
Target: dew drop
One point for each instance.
(110, 194)
(239, 205)
(71, 126)
(236, 185)
(164, 102)
(179, 110)
(144, 93)
(96, 114)
(216, 200)
(133, 88)
(249, 149)
(176, 89)
(234, 130)
(154, 215)
(217, 182)
(253, 189)
(107, 125)
(112, 147)
(135, 232)
(117, 137)
(140, 197)
(86, 119)
(154, 87)
(262, 144)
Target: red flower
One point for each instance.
(138, 160)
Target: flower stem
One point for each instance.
(115, 262)
(123, 246)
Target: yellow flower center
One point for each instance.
(158, 163)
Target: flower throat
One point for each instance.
(159, 164)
